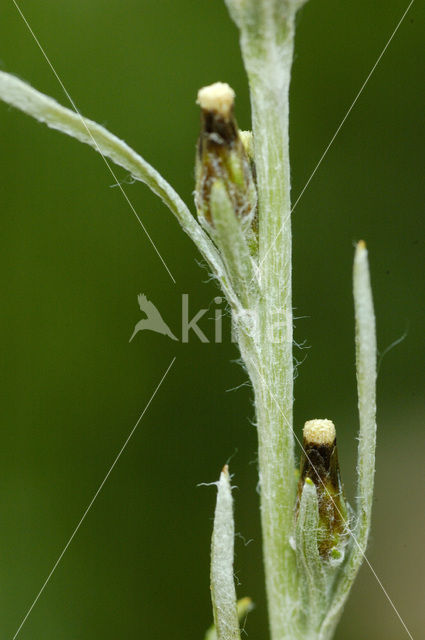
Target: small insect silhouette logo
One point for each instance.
(153, 321)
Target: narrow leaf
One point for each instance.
(21, 95)
(223, 593)
(366, 389)
(308, 558)
(245, 606)
(230, 239)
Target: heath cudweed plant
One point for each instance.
(313, 542)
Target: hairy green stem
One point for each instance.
(267, 30)
(306, 590)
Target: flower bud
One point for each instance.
(222, 157)
(319, 463)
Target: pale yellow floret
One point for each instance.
(218, 97)
(319, 431)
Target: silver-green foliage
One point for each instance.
(306, 592)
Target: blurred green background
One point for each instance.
(73, 259)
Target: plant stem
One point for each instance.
(305, 595)
(274, 402)
(267, 30)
